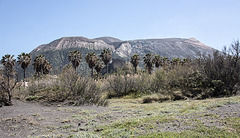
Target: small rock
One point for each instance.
(82, 129)
(98, 130)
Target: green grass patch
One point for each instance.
(134, 127)
(199, 132)
(66, 126)
(234, 123)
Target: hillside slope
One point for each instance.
(56, 51)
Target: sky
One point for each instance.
(26, 24)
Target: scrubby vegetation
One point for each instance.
(215, 75)
(68, 87)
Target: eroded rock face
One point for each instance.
(125, 50)
(170, 47)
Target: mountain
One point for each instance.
(169, 47)
(56, 51)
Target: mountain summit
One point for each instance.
(169, 47)
(73, 42)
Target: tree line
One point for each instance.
(218, 74)
(41, 65)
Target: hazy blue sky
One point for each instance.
(26, 24)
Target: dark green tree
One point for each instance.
(91, 59)
(24, 61)
(165, 61)
(157, 60)
(135, 61)
(38, 64)
(47, 67)
(148, 60)
(106, 56)
(41, 65)
(99, 66)
(75, 57)
(175, 62)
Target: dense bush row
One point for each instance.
(215, 75)
(67, 87)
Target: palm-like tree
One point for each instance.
(176, 61)
(38, 64)
(91, 59)
(41, 65)
(75, 57)
(185, 61)
(148, 60)
(98, 66)
(24, 61)
(157, 61)
(46, 67)
(8, 62)
(165, 61)
(135, 61)
(106, 56)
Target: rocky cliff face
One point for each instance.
(170, 47)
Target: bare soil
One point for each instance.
(29, 119)
(25, 119)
